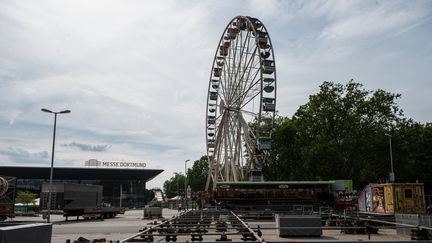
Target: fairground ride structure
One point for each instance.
(241, 103)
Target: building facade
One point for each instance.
(121, 186)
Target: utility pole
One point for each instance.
(392, 174)
(185, 184)
(52, 159)
(121, 194)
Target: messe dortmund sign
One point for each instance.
(97, 163)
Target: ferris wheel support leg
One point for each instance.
(208, 180)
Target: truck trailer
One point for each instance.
(78, 200)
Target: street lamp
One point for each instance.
(392, 175)
(52, 158)
(185, 184)
(178, 192)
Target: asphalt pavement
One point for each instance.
(127, 225)
(113, 229)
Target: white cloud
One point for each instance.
(370, 21)
(135, 73)
(18, 155)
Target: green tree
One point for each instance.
(412, 153)
(196, 179)
(174, 186)
(337, 134)
(197, 175)
(26, 198)
(282, 164)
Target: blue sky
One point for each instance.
(135, 73)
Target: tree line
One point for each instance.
(196, 179)
(343, 132)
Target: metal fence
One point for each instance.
(415, 220)
(428, 199)
(426, 220)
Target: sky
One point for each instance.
(135, 73)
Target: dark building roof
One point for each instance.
(79, 173)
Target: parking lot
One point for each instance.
(118, 228)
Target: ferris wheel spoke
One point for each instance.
(221, 87)
(237, 60)
(243, 91)
(254, 66)
(249, 62)
(243, 80)
(244, 67)
(247, 92)
(254, 85)
(233, 71)
(229, 73)
(226, 70)
(253, 114)
(227, 76)
(239, 70)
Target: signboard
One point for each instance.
(97, 163)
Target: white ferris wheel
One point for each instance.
(241, 102)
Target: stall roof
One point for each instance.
(244, 183)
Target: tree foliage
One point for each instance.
(25, 197)
(174, 186)
(197, 175)
(196, 179)
(412, 153)
(340, 134)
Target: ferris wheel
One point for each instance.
(241, 102)
(3, 186)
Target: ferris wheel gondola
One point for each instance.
(241, 102)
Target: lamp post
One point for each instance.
(177, 178)
(52, 158)
(185, 184)
(178, 192)
(392, 175)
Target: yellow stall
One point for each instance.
(393, 198)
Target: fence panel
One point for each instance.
(426, 220)
(411, 219)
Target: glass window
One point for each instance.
(408, 193)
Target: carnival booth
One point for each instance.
(390, 198)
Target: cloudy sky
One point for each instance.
(135, 73)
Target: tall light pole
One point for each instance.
(185, 185)
(392, 175)
(52, 158)
(178, 192)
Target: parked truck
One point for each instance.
(78, 200)
(7, 197)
